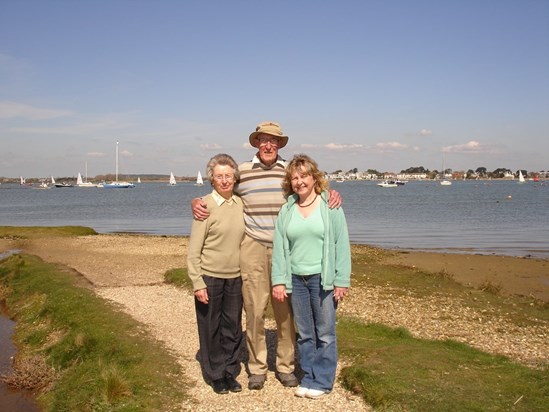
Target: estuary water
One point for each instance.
(487, 217)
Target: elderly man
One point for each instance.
(261, 192)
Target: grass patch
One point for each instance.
(392, 370)
(32, 232)
(102, 358)
(178, 277)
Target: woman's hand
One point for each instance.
(202, 296)
(279, 293)
(200, 211)
(340, 293)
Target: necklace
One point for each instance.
(309, 204)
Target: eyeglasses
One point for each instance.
(228, 178)
(272, 140)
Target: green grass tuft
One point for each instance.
(32, 232)
(178, 277)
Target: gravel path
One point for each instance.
(169, 313)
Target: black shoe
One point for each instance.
(220, 386)
(232, 384)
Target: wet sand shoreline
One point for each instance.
(523, 276)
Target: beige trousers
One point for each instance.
(255, 267)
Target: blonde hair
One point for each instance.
(302, 163)
(222, 159)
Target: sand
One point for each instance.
(515, 275)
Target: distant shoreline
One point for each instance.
(192, 179)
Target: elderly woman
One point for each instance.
(312, 264)
(213, 266)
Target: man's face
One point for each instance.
(268, 148)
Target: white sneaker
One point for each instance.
(300, 392)
(314, 393)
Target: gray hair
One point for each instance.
(222, 159)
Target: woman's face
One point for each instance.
(303, 183)
(223, 180)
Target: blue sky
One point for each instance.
(378, 84)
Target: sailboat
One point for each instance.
(116, 184)
(84, 183)
(81, 183)
(199, 181)
(172, 180)
(521, 177)
(444, 181)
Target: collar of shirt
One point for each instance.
(279, 160)
(219, 200)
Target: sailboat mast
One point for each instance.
(116, 161)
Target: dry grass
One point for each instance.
(116, 385)
(493, 288)
(31, 373)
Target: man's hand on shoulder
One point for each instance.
(334, 199)
(199, 208)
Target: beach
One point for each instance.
(129, 270)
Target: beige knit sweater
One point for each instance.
(214, 246)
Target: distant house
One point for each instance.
(412, 176)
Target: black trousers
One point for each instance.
(220, 328)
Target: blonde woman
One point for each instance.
(311, 267)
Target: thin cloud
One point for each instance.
(82, 125)
(126, 153)
(471, 147)
(12, 110)
(338, 146)
(95, 154)
(210, 146)
(332, 146)
(425, 132)
(390, 146)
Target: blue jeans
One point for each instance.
(315, 315)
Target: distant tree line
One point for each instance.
(481, 172)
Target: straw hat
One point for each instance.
(270, 128)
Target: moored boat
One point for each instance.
(116, 184)
(388, 183)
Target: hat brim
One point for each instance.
(254, 142)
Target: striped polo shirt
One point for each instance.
(260, 188)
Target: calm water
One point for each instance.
(501, 217)
(11, 400)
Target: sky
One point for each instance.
(366, 84)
